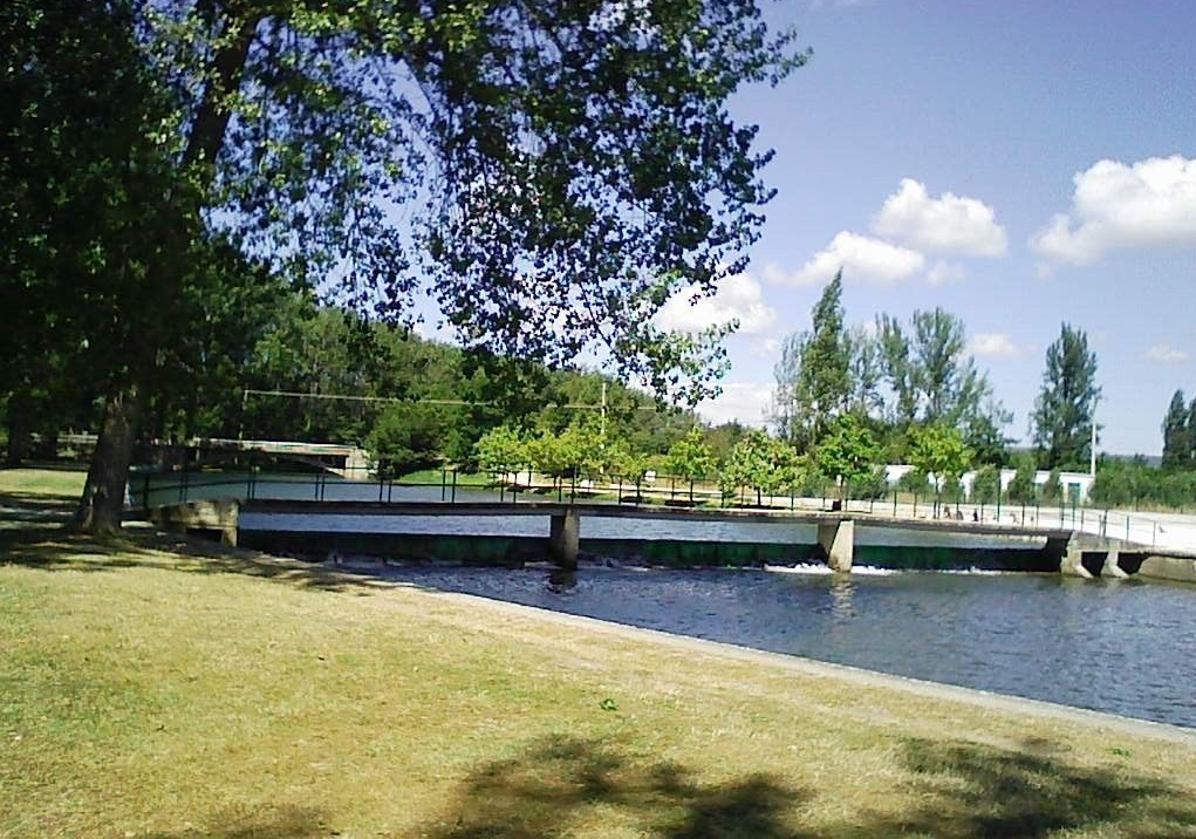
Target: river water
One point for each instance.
(1125, 647)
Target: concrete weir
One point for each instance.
(1086, 556)
(837, 540)
(564, 539)
(1071, 553)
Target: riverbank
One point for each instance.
(161, 687)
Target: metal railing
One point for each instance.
(451, 485)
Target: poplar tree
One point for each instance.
(1063, 412)
(949, 386)
(1177, 434)
(814, 379)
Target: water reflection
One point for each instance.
(841, 591)
(561, 581)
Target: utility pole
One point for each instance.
(602, 421)
(1092, 448)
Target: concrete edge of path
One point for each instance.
(855, 675)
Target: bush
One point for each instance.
(406, 438)
(1052, 490)
(1021, 488)
(915, 481)
(986, 485)
(872, 486)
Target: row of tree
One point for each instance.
(897, 377)
(847, 461)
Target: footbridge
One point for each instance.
(341, 459)
(1067, 551)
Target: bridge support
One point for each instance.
(1070, 553)
(211, 516)
(1111, 568)
(1072, 562)
(837, 539)
(563, 537)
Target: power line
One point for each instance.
(295, 394)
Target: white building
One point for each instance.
(1075, 485)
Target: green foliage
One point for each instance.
(1131, 483)
(579, 449)
(986, 484)
(595, 189)
(874, 485)
(406, 438)
(847, 452)
(813, 377)
(951, 490)
(502, 450)
(1063, 413)
(915, 481)
(898, 369)
(690, 457)
(929, 380)
(761, 463)
(1178, 435)
(1052, 489)
(1021, 488)
(939, 450)
(951, 388)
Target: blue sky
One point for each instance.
(979, 124)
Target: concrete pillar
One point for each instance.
(563, 537)
(837, 539)
(1071, 564)
(1111, 568)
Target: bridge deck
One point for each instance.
(630, 511)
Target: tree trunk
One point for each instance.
(103, 501)
(18, 428)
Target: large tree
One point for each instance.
(814, 376)
(549, 173)
(1177, 439)
(1063, 413)
(898, 369)
(949, 385)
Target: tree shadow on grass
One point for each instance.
(283, 822)
(561, 786)
(52, 547)
(965, 789)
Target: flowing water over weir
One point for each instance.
(1124, 647)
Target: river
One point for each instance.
(1124, 647)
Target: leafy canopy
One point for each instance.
(549, 173)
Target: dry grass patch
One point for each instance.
(171, 689)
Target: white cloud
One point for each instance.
(942, 273)
(1166, 354)
(767, 347)
(742, 401)
(1150, 203)
(739, 296)
(948, 224)
(860, 257)
(994, 345)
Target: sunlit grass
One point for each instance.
(64, 482)
(154, 689)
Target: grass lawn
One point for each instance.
(155, 687)
(435, 476)
(64, 482)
